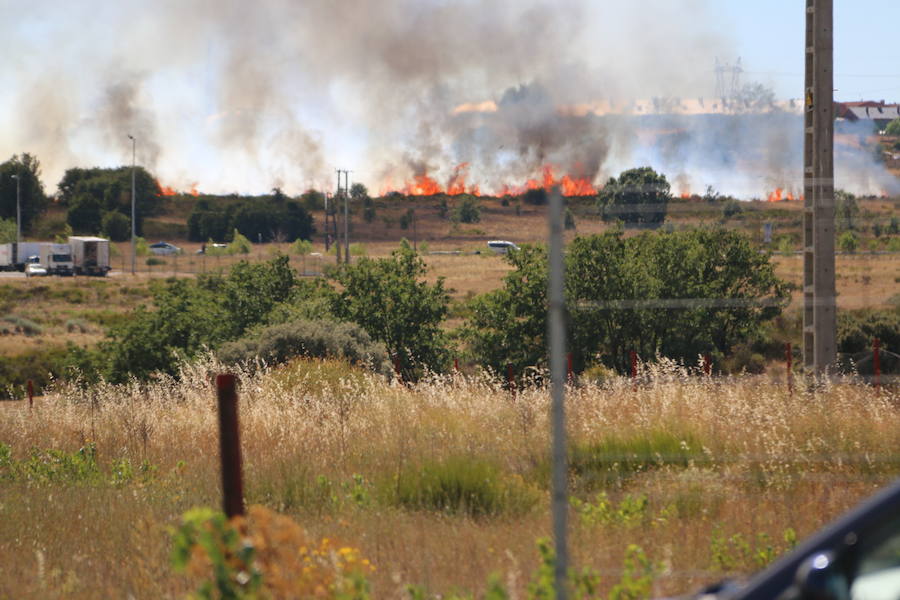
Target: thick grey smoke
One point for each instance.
(120, 114)
(244, 97)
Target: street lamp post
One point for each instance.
(18, 179)
(133, 228)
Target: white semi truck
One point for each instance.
(57, 258)
(90, 255)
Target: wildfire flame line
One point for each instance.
(425, 185)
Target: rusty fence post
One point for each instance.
(230, 446)
(510, 380)
(876, 362)
(789, 359)
(456, 365)
(707, 365)
(397, 370)
(632, 355)
(30, 388)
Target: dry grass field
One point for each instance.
(709, 478)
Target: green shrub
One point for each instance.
(468, 211)
(141, 247)
(40, 365)
(116, 226)
(848, 242)
(239, 244)
(615, 458)
(301, 247)
(462, 485)
(155, 261)
(310, 338)
(22, 325)
(77, 326)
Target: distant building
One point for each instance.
(877, 113)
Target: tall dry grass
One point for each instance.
(338, 449)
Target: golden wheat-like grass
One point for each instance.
(321, 439)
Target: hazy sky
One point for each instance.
(237, 96)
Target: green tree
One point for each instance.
(7, 231)
(676, 294)
(893, 128)
(188, 316)
(85, 214)
(390, 300)
(848, 242)
(312, 200)
(185, 319)
(116, 226)
(569, 220)
(507, 326)
(468, 210)
(846, 210)
(638, 196)
(90, 193)
(32, 200)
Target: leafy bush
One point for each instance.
(40, 365)
(155, 261)
(638, 196)
(264, 555)
(141, 247)
(116, 226)
(848, 241)
(22, 325)
(659, 271)
(239, 244)
(386, 297)
(312, 339)
(301, 247)
(468, 211)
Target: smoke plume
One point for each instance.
(240, 97)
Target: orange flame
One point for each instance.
(165, 190)
(776, 195)
(425, 185)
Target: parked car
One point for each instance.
(856, 557)
(35, 269)
(501, 246)
(204, 247)
(164, 248)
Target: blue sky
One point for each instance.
(769, 38)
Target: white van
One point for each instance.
(501, 246)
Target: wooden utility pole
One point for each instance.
(819, 320)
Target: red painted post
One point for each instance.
(876, 362)
(789, 358)
(397, 368)
(230, 446)
(707, 365)
(570, 373)
(633, 355)
(30, 388)
(510, 380)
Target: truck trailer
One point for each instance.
(14, 255)
(90, 255)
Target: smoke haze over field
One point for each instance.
(237, 97)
